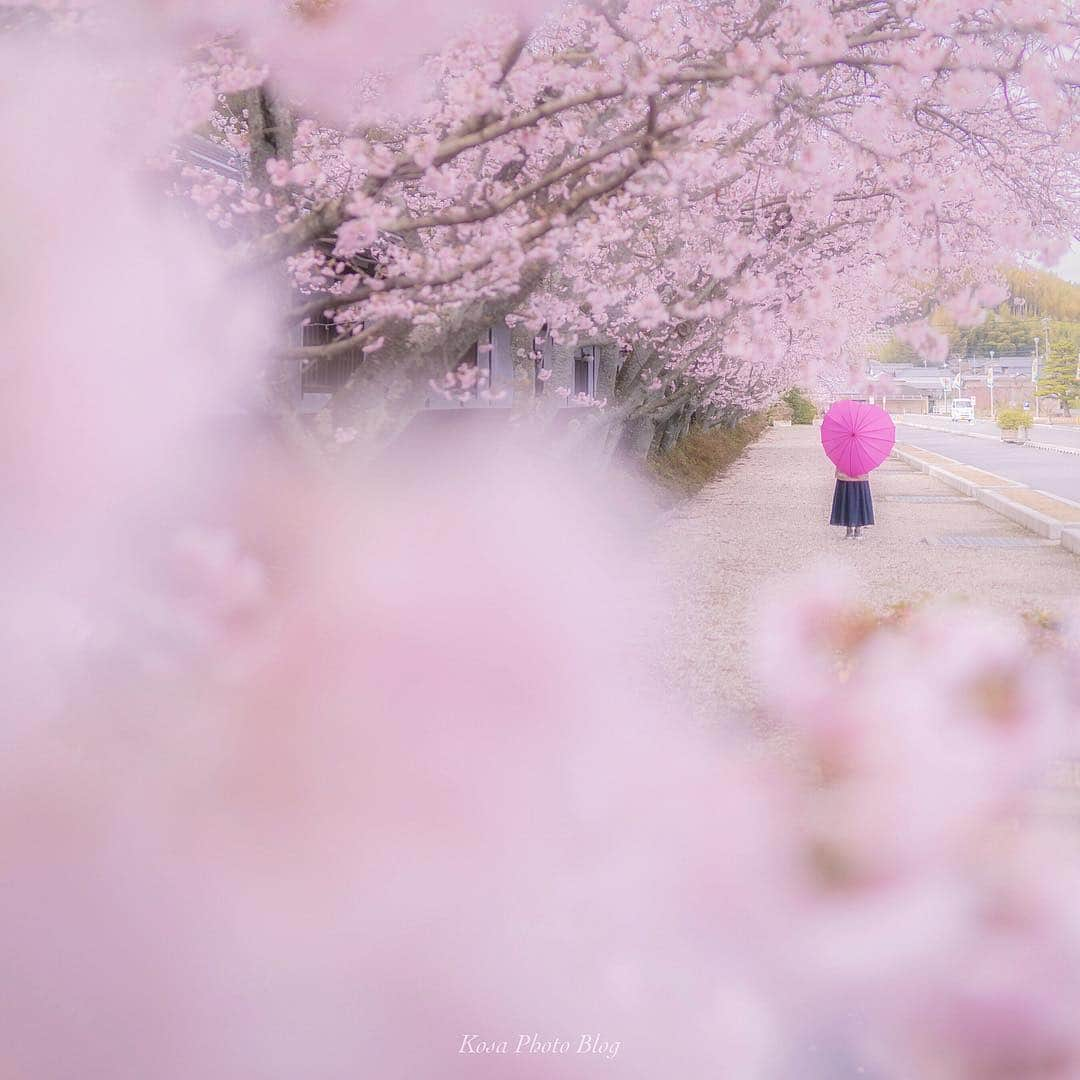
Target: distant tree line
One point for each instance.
(1040, 292)
(1010, 329)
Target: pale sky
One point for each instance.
(1069, 267)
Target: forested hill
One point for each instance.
(1011, 328)
(1039, 292)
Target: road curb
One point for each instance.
(995, 497)
(958, 483)
(1037, 522)
(961, 483)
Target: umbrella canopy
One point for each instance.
(857, 437)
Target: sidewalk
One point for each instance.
(767, 518)
(1038, 511)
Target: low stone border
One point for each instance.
(1037, 522)
(964, 478)
(1003, 496)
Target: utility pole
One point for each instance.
(1046, 355)
(990, 382)
(1035, 378)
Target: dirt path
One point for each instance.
(766, 519)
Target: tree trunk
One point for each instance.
(270, 129)
(633, 439)
(667, 434)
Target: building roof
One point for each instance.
(207, 154)
(1000, 363)
(980, 376)
(913, 376)
(899, 370)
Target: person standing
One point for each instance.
(852, 505)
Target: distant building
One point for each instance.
(204, 153)
(1002, 365)
(919, 388)
(909, 388)
(1011, 390)
(487, 369)
(1012, 377)
(913, 375)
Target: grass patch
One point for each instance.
(703, 455)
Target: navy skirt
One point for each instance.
(852, 503)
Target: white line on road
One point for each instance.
(982, 435)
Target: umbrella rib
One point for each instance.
(862, 418)
(877, 425)
(846, 455)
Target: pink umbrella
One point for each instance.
(857, 437)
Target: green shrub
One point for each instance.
(1014, 420)
(781, 411)
(803, 410)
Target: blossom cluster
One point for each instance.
(743, 194)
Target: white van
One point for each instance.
(963, 408)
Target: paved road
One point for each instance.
(1056, 435)
(1044, 470)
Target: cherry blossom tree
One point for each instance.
(730, 191)
(724, 189)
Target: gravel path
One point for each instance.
(766, 519)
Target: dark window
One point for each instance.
(326, 374)
(477, 355)
(470, 357)
(584, 360)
